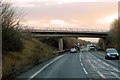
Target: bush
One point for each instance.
(11, 36)
(52, 41)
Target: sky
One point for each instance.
(85, 14)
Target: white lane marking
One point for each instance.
(95, 61)
(102, 61)
(102, 66)
(80, 60)
(98, 59)
(81, 64)
(115, 75)
(101, 74)
(88, 60)
(45, 66)
(85, 71)
(80, 57)
(93, 65)
(106, 64)
(95, 57)
(116, 69)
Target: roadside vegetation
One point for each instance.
(11, 37)
(34, 52)
(20, 52)
(113, 39)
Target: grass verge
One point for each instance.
(33, 53)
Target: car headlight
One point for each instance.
(108, 54)
(117, 54)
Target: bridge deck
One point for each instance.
(68, 32)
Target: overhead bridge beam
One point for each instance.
(69, 34)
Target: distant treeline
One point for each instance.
(113, 39)
(68, 42)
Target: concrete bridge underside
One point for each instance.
(70, 34)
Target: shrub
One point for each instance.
(11, 36)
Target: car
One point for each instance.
(77, 48)
(73, 50)
(92, 48)
(111, 53)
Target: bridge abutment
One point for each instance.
(60, 42)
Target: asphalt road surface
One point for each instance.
(87, 65)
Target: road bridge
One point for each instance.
(68, 32)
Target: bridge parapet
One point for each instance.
(46, 29)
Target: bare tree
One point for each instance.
(114, 35)
(11, 36)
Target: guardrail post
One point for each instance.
(60, 41)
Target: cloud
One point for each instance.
(108, 19)
(57, 22)
(79, 14)
(43, 3)
(64, 1)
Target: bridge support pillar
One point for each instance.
(76, 41)
(76, 37)
(104, 43)
(60, 43)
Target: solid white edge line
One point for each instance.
(115, 75)
(101, 74)
(45, 67)
(85, 71)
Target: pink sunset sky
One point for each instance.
(85, 14)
